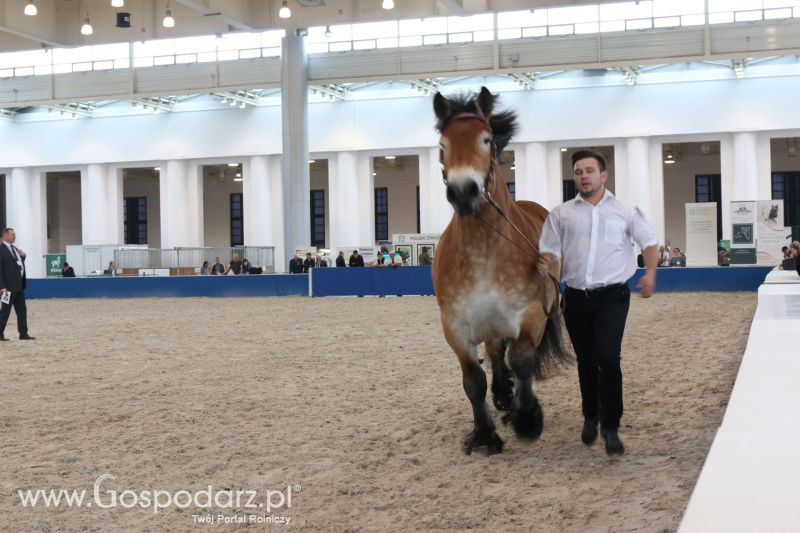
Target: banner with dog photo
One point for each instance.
(771, 235)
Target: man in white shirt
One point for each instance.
(591, 235)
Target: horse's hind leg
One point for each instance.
(526, 414)
(502, 382)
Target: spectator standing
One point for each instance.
(340, 262)
(296, 265)
(235, 265)
(217, 269)
(67, 271)
(308, 263)
(356, 260)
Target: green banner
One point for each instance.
(54, 263)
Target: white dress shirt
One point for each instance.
(594, 242)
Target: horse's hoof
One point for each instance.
(477, 439)
(503, 400)
(527, 424)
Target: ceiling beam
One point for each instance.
(217, 15)
(36, 38)
(453, 7)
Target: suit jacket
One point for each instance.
(10, 277)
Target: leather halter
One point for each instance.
(488, 179)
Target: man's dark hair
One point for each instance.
(67, 264)
(586, 154)
(6, 230)
(355, 251)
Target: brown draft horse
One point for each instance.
(485, 276)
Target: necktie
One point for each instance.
(14, 253)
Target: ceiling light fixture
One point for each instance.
(233, 164)
(388, 4)
(87, 29)
(157, 169)
(30, 9)
(669, 158)
(117, 3)
(389, 157)
(284, 12)
(312, 161)
(168, 21)
(563, 149)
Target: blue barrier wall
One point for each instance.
(410, 280)
(348, 282)
(174, 286)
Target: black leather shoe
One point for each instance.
(589, 433)
(26, 338)
(3, 338)
(613, 444)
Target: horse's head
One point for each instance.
(472, 139)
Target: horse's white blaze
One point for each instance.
(489, 312)
(463, 175)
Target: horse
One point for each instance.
(485, 277)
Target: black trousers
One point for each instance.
(595, 321)
(18, 302)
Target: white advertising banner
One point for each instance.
(370, 253)
(701, 234)
(771, 235)
(743, 233)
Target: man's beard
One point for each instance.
(590, 193)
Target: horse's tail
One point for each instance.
(553, 351)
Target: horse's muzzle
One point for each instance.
(464, 197)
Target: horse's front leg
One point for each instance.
(474, 380)
(502, 382)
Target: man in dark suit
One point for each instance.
(13, 279)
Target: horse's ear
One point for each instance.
(441, 106)
(485, 102)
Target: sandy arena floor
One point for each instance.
(357, 400)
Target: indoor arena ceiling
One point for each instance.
(57, 23)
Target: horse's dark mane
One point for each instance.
(503, 124)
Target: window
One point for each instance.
(318, 218)
(707, 188)
(237, 219)
(381, 214)
(570, 191)
(512, 189)
(786, 187)
(418, 211)
(135, 220)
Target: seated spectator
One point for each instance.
(380, 259)
(678, 259)
(217, 269)
(308, 263)
(723, 257)
(785, 252)
(67, 271)
(296, 265)
(340, 262)
(204, 269)
(235, 265)
(112, 269)
(663, 256)
(356, 260)
(245, 267)
(321, 263)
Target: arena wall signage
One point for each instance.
(771, 234)
(701, 234)
(743, 239)
(412, 245)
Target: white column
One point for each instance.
(555, 173)
(263, 205)
(101, 205)
(656, 214)
(536, 180)
(181, 190)
(26, 208)
(764, 158)
(365, 211)
(347, 200)
(435, 211)
(296, 180)
(739, 153)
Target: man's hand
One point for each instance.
(647, 284)
(544, 262)
(20, 252)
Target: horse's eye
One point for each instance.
(487, 140)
